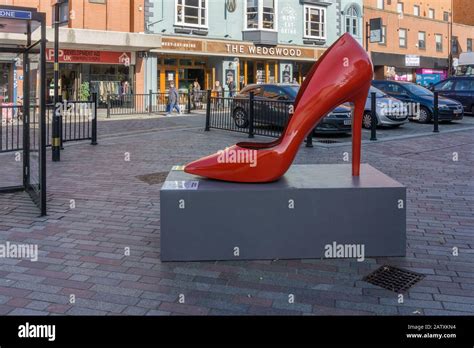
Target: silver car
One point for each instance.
(390, 111)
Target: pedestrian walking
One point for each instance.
(231, 87)
(217, 92)
(173, 100)
(196, 95)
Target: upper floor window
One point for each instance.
(446, 16)
(352, 21)
(381, 4)
(315, 22)
(402, 37)
(191, 13)
(469, 45)
(400, 7)
(439, 42)
(421, 40)
(416, 10)
(431, 13)
(260, 14)
(454, 43)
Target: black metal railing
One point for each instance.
(251, 115)
(11, 127)
(153, 103)
(198, 100)
(79, 122)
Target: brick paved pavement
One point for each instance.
(82, 249)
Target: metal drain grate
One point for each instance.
(393, 278)
(153, 178)
(328, 141)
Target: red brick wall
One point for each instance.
(116, 15)
(463, 12)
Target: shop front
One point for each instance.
(411, 68)
(83, 72)
(185, 61)
(429, 77)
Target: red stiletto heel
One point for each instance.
(357, 114)
(342, 74)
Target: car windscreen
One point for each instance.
(418, 90)
(291, 91)
(378, 92)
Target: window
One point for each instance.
(464, 86)
(260, 14)
(274, 92)
(446, 16)
(454, 44)
(394, 88)
(421, 40)
(380, 4)
(191, 13)
(252, 14)
(402, 37)
(315, 22)
(445, 86)
(416, 10)
(384, 35)
(352, 21)
(400, 7)
(469, 45)
(439, 42)
(431, 13)
(257, 90)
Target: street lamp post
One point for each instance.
(56, 127)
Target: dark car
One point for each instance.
(420, 101)
(273, 105)
(460, 89)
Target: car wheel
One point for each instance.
(367, 120)
(240, 118)
(425, 115)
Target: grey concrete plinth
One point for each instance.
(299, 216)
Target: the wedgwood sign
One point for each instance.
(224, 48)
(264, 51)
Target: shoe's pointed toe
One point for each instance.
(205, 166)
(236, 164)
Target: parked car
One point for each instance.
(338, 121)
(460, 89)
(390, 111)
(420, 101)
(276, 113)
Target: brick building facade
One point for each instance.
(420, 38)
(100, 43)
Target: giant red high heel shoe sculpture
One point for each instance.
(342, 74)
